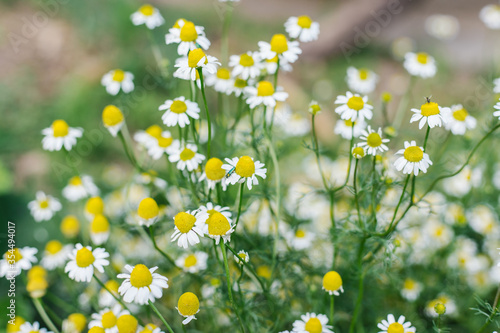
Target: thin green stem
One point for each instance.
(229, 288)
(250, 268)
(160, 316)
(166, 256)
(43, 314)
(355, 187)
(493, 313)
(129, 153)
(397, 207)
(242, 187)
(359, 301)
(331, 308)
(200, 72)
(427, 136)
(374, 191)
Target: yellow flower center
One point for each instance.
(213, 169)
(386, 97)
(422, 58)
(188, 32)
(140, 276)
(16, 327)
(108, 320)
(273, 59)
(94, 205)
(243, 256)
(210, 213)
(195, 56)
(44, 204)
(460, 115)
(429, 109)
(190, 261)
(60, 128)
(118, 75)
(178, 107)
(409, 284)
(246, 60)
(348, 123)
(112, 285)
(37, 272)
(300, 233)
(149, 328)
(126, 324)
(147, 10)
(84, 257)
(37, 286)
(374, 140)
(396, 328)
(240, 83)
(111, 115)
(187, 154)
(75, 181)
(78, 320)
(188, 304)
(165, 142)
(184, 222)
(148, 209)
(313, 325)
(304, 22)
(154, 131)
(223, 73)
(413, 154)
(265, 88)
(314, 108)
(358, 151)
(332, 281)
(245, 167)
(264, 271)
(70, 226)
(17, 255)
(355, 103)
(96, 329)
(363, 74)
(218, 225)
(53, 246)
(99, 224)
(279, 43)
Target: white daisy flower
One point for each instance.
(281, 47)
(205, 212)
(497, 113)
(213, 173)
(413, 160)
(332, 283)
(55, 254)
(303, 28)
(151, 134)
(16, 260)
(221, 81)
(83, 260)
(186, 156)
(44, 207)
(106, 299)
(450, 305)
(74, 323)
(148, 212)
(345, 129)
(490, 15)
(148, 15)
(353, 107)
(300, 239)
(457, 120)
(219, 225)
(361, 80)
(420, 64)
(271, 65)
(32, 328)
(391, 325)
(192, 263)
(242, 257)
(80, 187)
(106, 318)
(60, 135)
(188, 36)
(164, 144)
(188, 229)
(244, 169)
(113, 120)
(430, 113)
(187, 306)
(358, 152)
(443, 27)
(373, 141)
(118, 79)
(411, 289)
(310, 322)
(237, 87)
(264, 94)
(99, 229)
(246, 65)
(142, 284)
(187, 66)
(178, 111)
(94, 206)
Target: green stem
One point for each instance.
(229, 288)
(160, 316)
(374, 191)
(166, 256)
(43, 314)
(493, 313)
(397, 207)
(331, 308)
(359, 300)
(129, 153)
(355, 186)
(200, 72)
(263, 286)
(427, 136)
(242, 186)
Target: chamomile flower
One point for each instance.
(430, 113)
(497, 113)
(187, 306)
(70, 226)
(237, 87)
(59, 135)
(345, 128)
(413, 160)
(392, 326)
(94, 206)
(80, 187)
(205, 212)
(358, 152)
(107, 318)
(106, 299)
(148, 15)
(16, 260)
(450, 305)
(221, 81)
(213, 173)
(142, 284)
(490, 15)
(373, 141)
(242, 257)
(151, 134)
(270, 66)
(55, 254)
(332, 283)
(75, 323)
(187, 229)
(420, 64)
(99, 229)
(15, 324)
(314, 108)
(147, 212)
(164, 144)
(188, 36)
(354, 107)
(44, 207)
(113, 119)
(187, 66)
(186, 156)
(411, 289)
(281, 47)
(310, 322)
(244, 169)
(300, 239)
(126, 323)
(32, 328)
(303, 28)
(149, 328)
(118, 79)
(83, 260)
(192, 263)
(264, 94)
(178, 112)
(219, 226)
(457, 119)
(246, 65)
(361, 80)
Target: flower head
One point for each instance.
(353, 107)
(187, 67)
(118, 79)
(44, 207)
(75, 323)
(161, 145)
(186, 157)
(332, 283)
(70, 226)
(32, 328)
(179, 111)
(420, 64)
(303, 28)
(214, 173)
(280, 47)
(15, 260)
(373, 141)
(244, 169)
(83, 260)
(113, 119)
(99, 229)
(264, 94)
(187, 229)
(80, 187)
(392, 326)
(148, 15)
(147, 212)
(141, 284)
(246, 65)
(188, 305)
(430, 113)
(458, 120)
(192, 262)
(490, 15)
(361, 80)
(107, 318)
(310, 322)
(242, 257)
(188, 36)
(413, 160)
(55, 254)
(59, 135)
